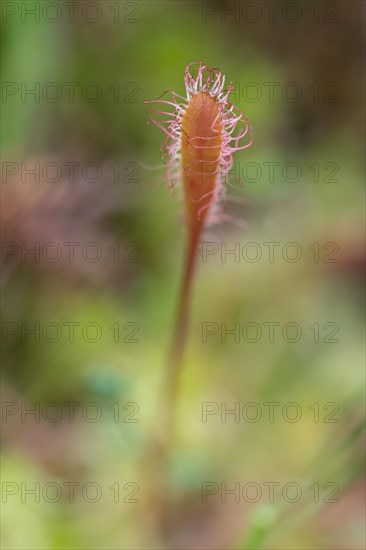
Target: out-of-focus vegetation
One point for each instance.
(129, 293)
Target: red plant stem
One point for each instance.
(158, 457)
(178, 344)
(201, 146)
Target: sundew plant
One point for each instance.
(183, 261)
(203, 130)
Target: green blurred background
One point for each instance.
(132, 52)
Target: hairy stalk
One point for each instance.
(200, 140)
(201, 143)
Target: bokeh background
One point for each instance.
(98, 178)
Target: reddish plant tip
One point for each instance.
(201, 144)
(201, 137)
